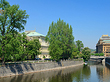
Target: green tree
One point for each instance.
(79, 45)
(12, 20)
(44, 57)
(80, 55)
(23, 48)
(7, 49)
(15, 44)
(75, 53)
(60, 40)
(15, 47)
(33, 48)
(86, 53)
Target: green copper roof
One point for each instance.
(34, 34)
(106, 41)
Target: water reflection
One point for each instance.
(63, 75)
(75, 75)
(85, 73)
(104, 73)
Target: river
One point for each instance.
(93, 72)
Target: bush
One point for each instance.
(99, 54)
(92, 54)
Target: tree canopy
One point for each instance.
(12, 20)
(86, 53)
(79, 45)
(33, 48)
(60, 39)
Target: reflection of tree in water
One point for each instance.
(86, 71)
(82, 74)
(61, 78)
(66, 75)
(78, 75)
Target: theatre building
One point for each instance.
(44, 45)
(103, 45)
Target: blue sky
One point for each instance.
(90, 19)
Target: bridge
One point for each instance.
(97, 58)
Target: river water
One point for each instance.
(92, 72)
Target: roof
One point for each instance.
(105, 37)
(33, 33)
(106, 41)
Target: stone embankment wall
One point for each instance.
(43, 76)
(35, 67)
(107, 60)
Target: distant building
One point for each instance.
(44, 45)
(103, 45)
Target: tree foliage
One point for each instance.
(98, 54)
(15, 43)
(19, 48)
(86, 53)
(60, 39)
(12, 20)
(33, 48)
(23, 46)
(75, 53)
(79, 45)
(77, 50)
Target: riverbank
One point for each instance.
(44, 76)
(26, 68)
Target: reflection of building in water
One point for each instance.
(103, 73)
(103, 45)
(44, 45)
(106, 71)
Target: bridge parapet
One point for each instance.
(97, 57)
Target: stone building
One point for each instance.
(44, 45)
(103, 45)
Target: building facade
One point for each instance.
(44, 45)
(103, 45)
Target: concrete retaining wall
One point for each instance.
(44, 76)
(34, 67)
